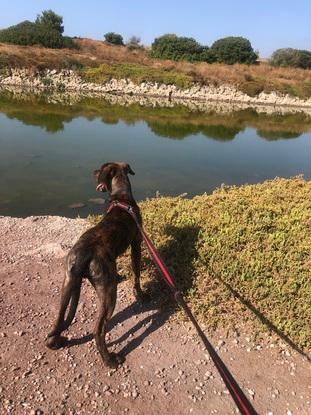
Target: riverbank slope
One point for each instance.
(100, 67)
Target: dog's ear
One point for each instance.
(96, 174)
(129, 170)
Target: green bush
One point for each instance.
(28, 33)
(291, 57)
(114, 38)
(46, 31)
(232, 50)
(134, 43)
(171, 46)
(51, 20)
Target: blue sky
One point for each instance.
(268, 24)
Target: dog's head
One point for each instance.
(112, 174)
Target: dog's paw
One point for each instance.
(114, 360)
(55, 342)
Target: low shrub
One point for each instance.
(134, 43)
(291, 57)
(137, 73)
(177, 48)
(114, 38)
(240, 254)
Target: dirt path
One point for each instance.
(166, 371)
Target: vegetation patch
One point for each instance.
(136, 73)
(45, 31)
(291, 57)
(240, 254)
(171, 46)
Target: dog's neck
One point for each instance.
(121, 190)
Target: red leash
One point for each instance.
(244, 405)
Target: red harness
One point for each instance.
(244, 405)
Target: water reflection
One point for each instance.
(50, 144)
(277, 135)
(174, 122)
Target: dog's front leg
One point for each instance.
(136, 261)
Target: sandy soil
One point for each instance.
(166, 369)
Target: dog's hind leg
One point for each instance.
(107, 294)
(70, 294)
(136, 260)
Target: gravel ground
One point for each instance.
(166, 369)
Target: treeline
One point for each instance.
(228, 50)
(47, 30)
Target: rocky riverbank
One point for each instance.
(69, 80)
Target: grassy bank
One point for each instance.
(251, 79)
(137, 73)
(240, 254)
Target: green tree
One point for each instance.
(291, 57)
(29, 33)
(232, 50)
(50, 19)
(171, 46)
(114, 38)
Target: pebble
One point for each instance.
(251, 393)
(77, 205)
(97, 201)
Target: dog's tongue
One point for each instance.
(101, 187)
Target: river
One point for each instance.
(50, 144)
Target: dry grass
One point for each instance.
(251, 79)
(91, 53)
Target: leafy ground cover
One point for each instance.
(241, 254)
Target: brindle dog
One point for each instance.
(94, 257)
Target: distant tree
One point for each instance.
(134, 43)
(291, 57)
(232, 50)
(171, 46)
(46, 31)
(29, 33)
(50, 19)
(114, 38)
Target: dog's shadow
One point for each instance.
(178, 254)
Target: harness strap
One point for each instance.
(243, 404)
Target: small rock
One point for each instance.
(76, 205)
(97, 201)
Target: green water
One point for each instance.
(48, 149)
